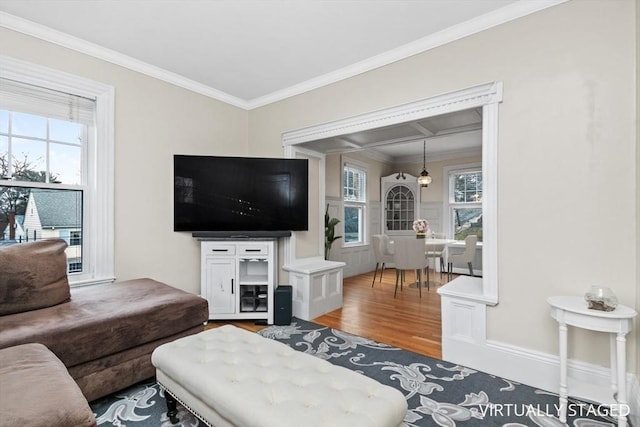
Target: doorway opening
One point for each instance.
(318, 142)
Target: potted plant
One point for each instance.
(329, 232)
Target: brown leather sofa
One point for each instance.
(104, 334)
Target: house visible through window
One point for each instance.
(44, 135)
(75, 238)
(355, 202)
(465, 203)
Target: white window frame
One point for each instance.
(449, 197)
(98, 203)
(361, 205)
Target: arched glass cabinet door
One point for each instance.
(400, 206)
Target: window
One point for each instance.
(465, 203)
(354, 184)
(43, 137)
(56, 165)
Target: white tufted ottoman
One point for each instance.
(232, 377)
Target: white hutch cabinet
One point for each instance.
(400, 196)
(238, 278)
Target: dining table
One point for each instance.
(433, 242)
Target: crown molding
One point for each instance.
(471, 97)
(74, 43)
(473, 26)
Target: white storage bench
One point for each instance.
(228, 376)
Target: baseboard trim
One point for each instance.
(539, 370)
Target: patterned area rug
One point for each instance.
(438, 393)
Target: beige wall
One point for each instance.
(153, 120)
(567, 163)
(333, 170)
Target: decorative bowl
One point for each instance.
(601, 298)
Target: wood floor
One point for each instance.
(408, 321)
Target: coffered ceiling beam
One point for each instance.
(423, 130)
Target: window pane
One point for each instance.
(352, 224)
(473, 196)
(470, 181)
(354, 181)
(467, 187)
(29, 125)
(467, 221)
(28, 160)
(359, 186)
(60, 130)
(4, 157)
(13, 201)
(29, 214)
(459, 188)
(4, 121)
(345, 183)
(66, 163)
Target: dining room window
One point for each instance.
(465, 203)
(354, 195)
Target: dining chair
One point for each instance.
(467, 256)
(437, 252)
(382, 254)
(409, 254)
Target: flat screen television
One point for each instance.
(240, 196)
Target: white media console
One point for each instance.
(240, 273)
(238, 277)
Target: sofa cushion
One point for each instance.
(105, 319)
(37, 390)
(33, 275)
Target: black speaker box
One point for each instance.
(283, 301)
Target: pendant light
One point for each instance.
(424, 179)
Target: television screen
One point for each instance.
(240, 194)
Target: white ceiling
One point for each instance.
(253, 52)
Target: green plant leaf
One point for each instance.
(329, 232)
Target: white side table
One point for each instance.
(573, 311)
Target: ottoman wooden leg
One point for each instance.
(172, 411)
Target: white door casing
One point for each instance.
(487, 96)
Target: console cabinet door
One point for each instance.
(220, 285)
